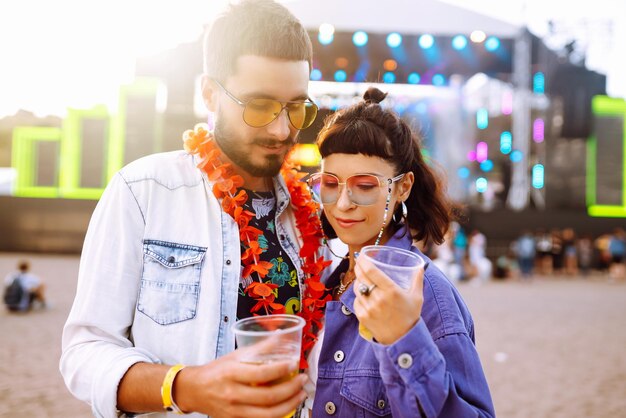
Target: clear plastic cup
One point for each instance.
(399, 265)
(275, 338)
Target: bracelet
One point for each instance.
(166, 389)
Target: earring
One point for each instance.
(210, 121)
(405, 212)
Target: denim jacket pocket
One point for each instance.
(367, 392)
(170, 283)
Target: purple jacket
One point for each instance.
(432, 371)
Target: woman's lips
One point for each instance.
(346, 223)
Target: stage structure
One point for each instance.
(471, 98)
(519, 101)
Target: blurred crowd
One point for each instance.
(559, 252)
(462, 256)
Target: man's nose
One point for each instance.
(280, 128)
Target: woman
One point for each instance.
(376, 188)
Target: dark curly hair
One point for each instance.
(366, 128)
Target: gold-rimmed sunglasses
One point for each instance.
(260, 112)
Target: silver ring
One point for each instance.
(365, 290)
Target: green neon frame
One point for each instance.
(141, 86)
(24, 160)
(605, 106)
(71, 145)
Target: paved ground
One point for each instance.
(551, 348)
(30, 383)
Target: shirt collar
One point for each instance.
(282, 194)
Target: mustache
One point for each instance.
(267, 142)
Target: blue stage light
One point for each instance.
(316, 75)
(481, 185)
(414, 78)
(426, 41)
(394, 40)
(492, 43)
(340, 76)
(516, 156)
(506, 142)
(537, 176)
(361, 73)
(459, 42)
(539, 83)
(326, 34)
(439, 80)
(359, 38)
(325, 38)
(482, 118)
(389, 77)
(486, 166)
(463, 172)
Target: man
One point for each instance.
(159, 282)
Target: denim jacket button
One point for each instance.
(339, 356)
(228, 262)
(405, 361)
(171, 259)
(345, 310)
(330, 408)
(381, 404)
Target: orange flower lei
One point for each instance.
(200, 141)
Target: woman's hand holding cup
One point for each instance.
(389, 292)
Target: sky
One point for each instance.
(598, 26)
(61, 53)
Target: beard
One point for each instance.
(237, 150)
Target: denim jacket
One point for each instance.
(432, 371)
(159, 276)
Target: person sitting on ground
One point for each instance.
(23, 289)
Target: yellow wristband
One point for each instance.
(166, 389)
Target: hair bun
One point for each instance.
(373, 95)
